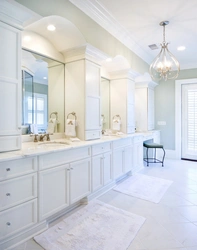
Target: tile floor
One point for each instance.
(170, 224)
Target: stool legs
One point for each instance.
(147, 162)
(154, 160)
(164, 153)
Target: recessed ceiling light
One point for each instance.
(27, 38)
(181, 48)
(44, 77)
(109, 59)
(51, 27)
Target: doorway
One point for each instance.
(189, 122)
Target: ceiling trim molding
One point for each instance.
(105, 19)
(15, 14)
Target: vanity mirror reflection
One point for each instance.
(42, 92)
(105, 103)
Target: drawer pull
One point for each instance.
(8, 224)
(8, 169)
(8, 194)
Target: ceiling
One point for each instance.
(136, 24)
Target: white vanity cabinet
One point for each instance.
(137, 161)
(82, 95)
(101, 165)
(10, 88)
(144, 106)
(53, 193)
(64, 178)
(122, 157)
(80, 176)
(18, 196)
(122, 100)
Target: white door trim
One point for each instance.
(178, 84)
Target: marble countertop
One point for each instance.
(30, 148)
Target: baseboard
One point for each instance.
(171, 154)
(18, 239)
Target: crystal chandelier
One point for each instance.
(165, 65)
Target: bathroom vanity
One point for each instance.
(44, 180)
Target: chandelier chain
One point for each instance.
(164, 38)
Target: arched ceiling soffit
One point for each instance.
(66, 36)
(118, 63)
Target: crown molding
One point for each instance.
(123, 74)
(15, 14)
(87, 51)
(145, 80)
(105, 19)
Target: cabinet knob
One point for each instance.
(8, 169)
(19, 128)
(8, 224)
(8, 194)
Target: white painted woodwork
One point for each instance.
(83, 84)
(137, 162)
(53, 190)
(18, 218)
(101, 165)
(57, 158)
(17, 190)
(101, 148)
(10, 88)
(144, 106)
(15, 168)
(128, 159)
(122, 157)
(118, 162)
(107, 168)
(80, 180)
(122, 100)
(97, 172)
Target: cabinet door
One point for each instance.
(107, 168)
(80, 175)
(93, 117)
(118, 163)
(93, 114)
(128, 159)
(10, 88)
(97, 180)
(53, 190)
(137, 156)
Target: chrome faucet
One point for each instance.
(42, 137)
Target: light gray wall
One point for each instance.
(165, 107)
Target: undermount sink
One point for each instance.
(53, 143)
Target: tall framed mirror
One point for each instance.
(105, 103)
(42, 93)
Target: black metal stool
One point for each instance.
(148, 145)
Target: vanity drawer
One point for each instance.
(138, 138)
(101, 148)
(91, 135)
(14, 168)
(122, 142)
(17, 190)
(18, 218)
(60, 158)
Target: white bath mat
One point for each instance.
(144, 187)
(97, 226)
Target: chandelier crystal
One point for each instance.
(165, 65)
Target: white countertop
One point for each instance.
(30, 148)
